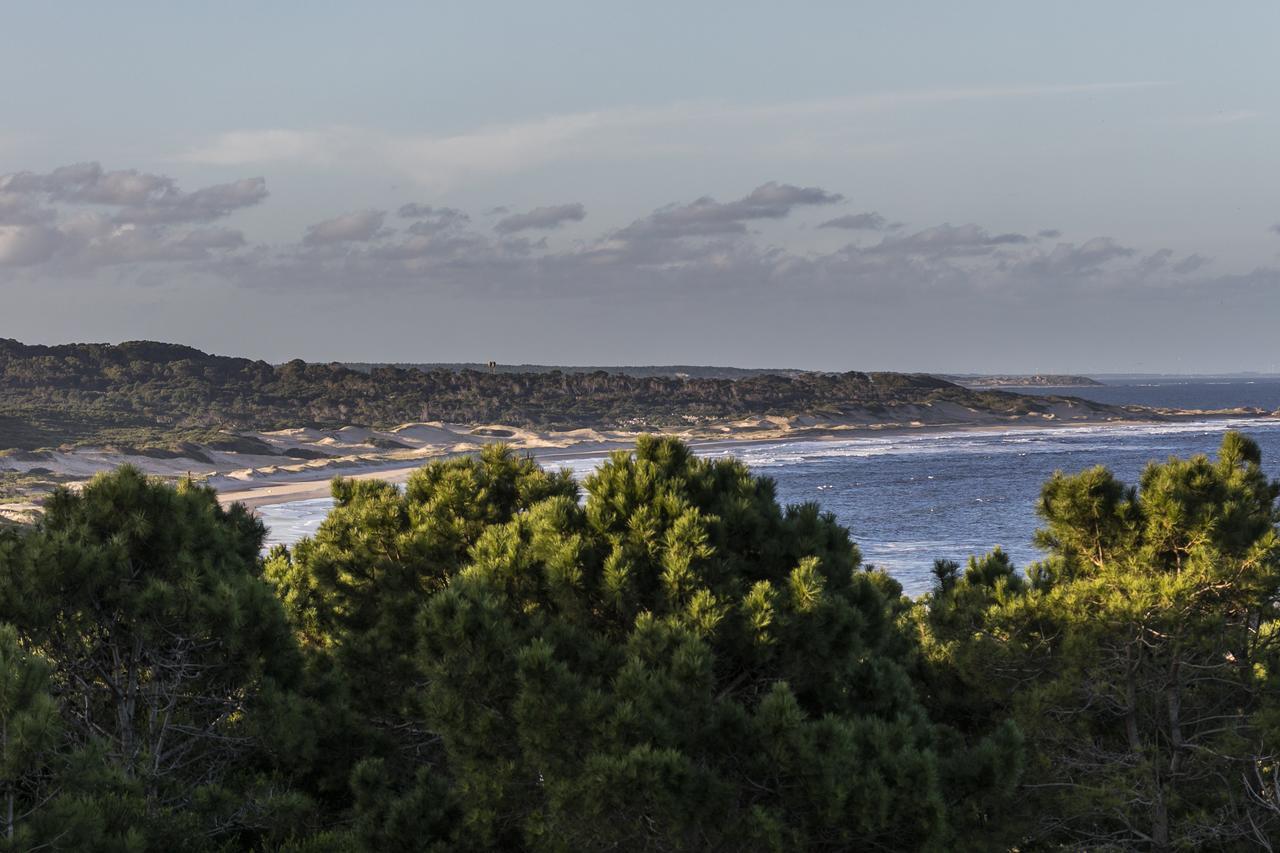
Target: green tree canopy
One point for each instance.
(1139, 660)
(355, 588)
(675, 663)
(162, 643)
(660, 658)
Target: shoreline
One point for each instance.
(299, 487)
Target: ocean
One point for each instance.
(908, 499)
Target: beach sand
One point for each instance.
(298, 486)
(298, 464)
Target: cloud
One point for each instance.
(202, 205)
(1275, 229)
(359, 226)
(428, 159)
(140, 196)
(1069, 260)
(89, 241)
(1155, 262)
(857, 222)
(948, 241)
(413, 210)
(1190, 264)
(708, 217)
(20, 209)
(1049, 234)
(704, 247)
(1093, 252)
(436, 159)
(432, 220)
(60, 183)
(541, 218)
(213, 238)
(81, 216)
(23, 245)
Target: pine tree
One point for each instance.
(1138, 659)
(674, 663)
(165, 649)
(681, 664)
(30, 730)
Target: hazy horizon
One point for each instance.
(1074, 190)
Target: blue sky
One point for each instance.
(1089, 187)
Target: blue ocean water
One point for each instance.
(908, 499)
(1178, 392)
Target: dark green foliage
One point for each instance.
(353, 593)
(355, 587)
(150, 393)
(675, 664)
(1140, 660)
(679, 371)
(663, 659)
(29, 732)
(148, 602)
(162, 644)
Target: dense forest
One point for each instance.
(693, 371)
(150, 394)
(658, 658)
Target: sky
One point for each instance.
(932, 186)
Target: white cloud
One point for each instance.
(81, 216)
(439, 160)
(429, 160)
(704, 246)
(348, 228)
(23, 245)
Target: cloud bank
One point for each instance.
(81, 219)
(541, 218)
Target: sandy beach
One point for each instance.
(298, 464)
(289, 489)
(298, 486)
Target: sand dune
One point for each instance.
(302, 460)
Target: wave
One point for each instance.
(1074, 439)
(1054, 439)
(953, 516)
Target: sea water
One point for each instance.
(908, 499)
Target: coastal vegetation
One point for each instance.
(998, 380)
(694, 371)
(1139, 660)
(164, 397)
(660, 657)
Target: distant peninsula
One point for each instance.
(151, 394)
(70, 410)
(679, 371)
(1032, 380)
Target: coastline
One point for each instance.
(280, 466)
(299, 487)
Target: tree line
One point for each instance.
(149, 394)
(658, 658)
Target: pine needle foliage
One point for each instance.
(1139, 658)
(668, 661)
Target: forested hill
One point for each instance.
(691, 371)
(148, 393)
